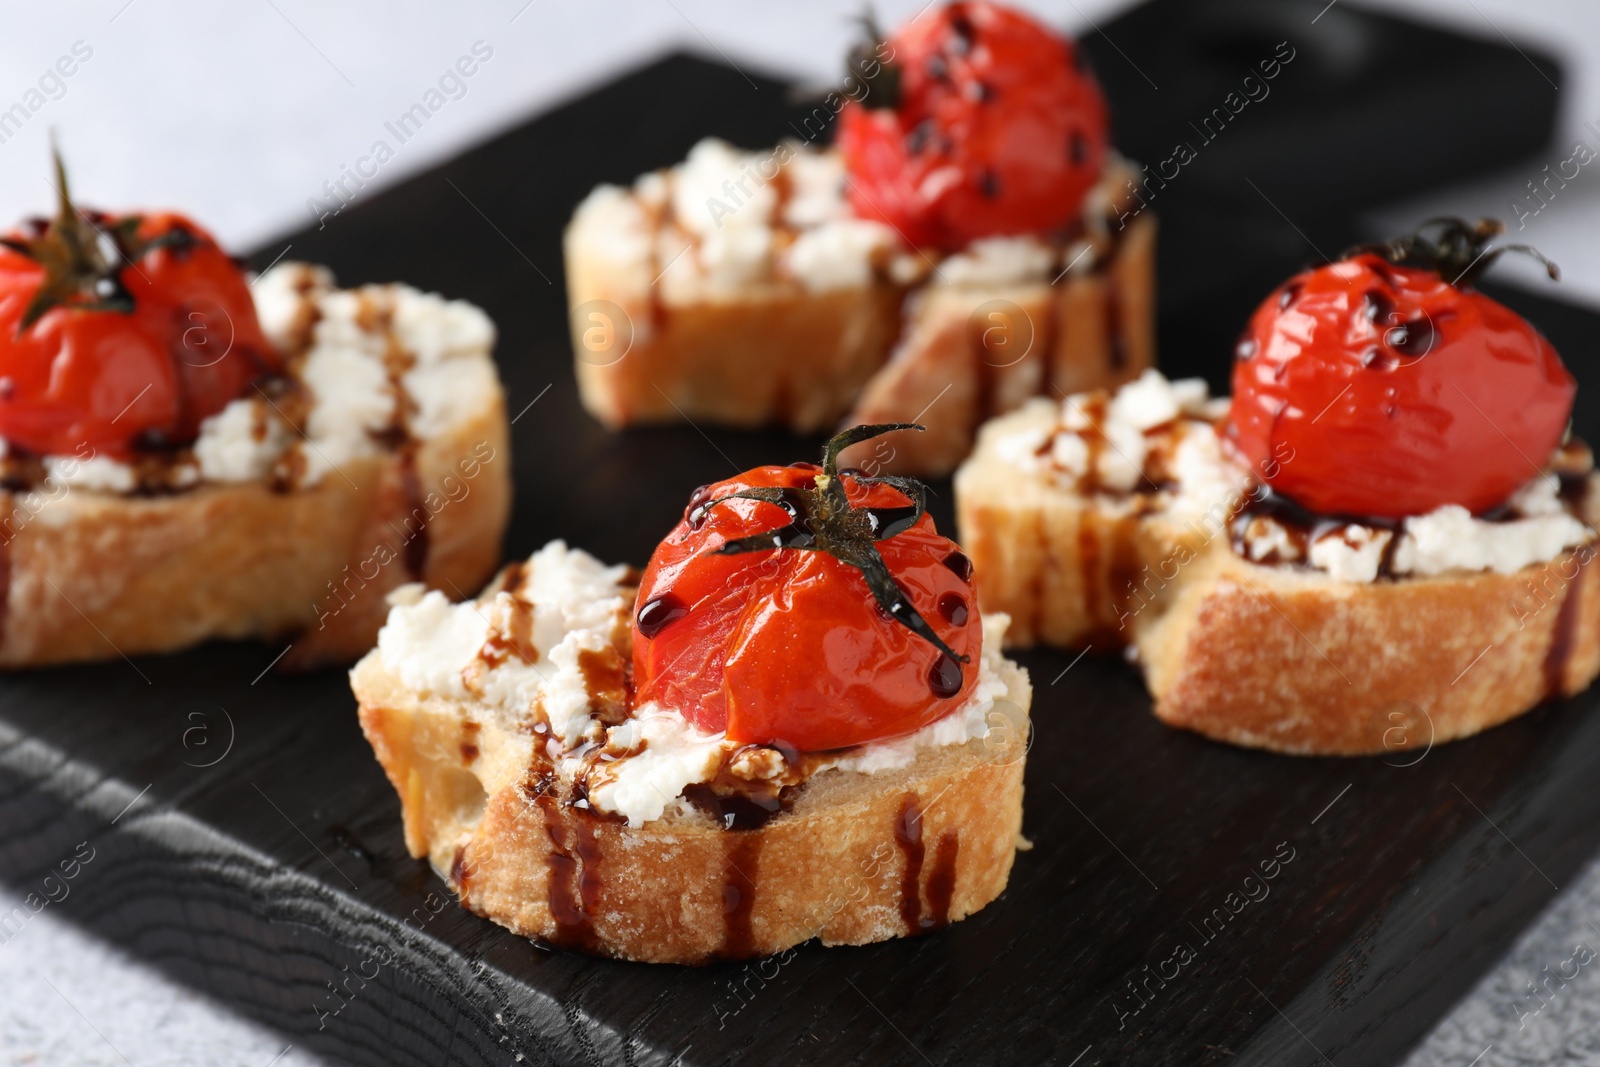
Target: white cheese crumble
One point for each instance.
(431, 645)
(241, 442)
(1119, 429)
(1151, 400)
(349, 383)
(725, 198)
(576, 599)
(718, 187)
(427, 643)
(97, 472)
(734, 257)
(1144, 417)
(675, 755)
(838, 254)
(619, 232)
(1269, 540)
(709, 226)
(817, 188)
(1207, 484)
(1352, 554)
(999, 261)
(1450, 539)
(280, 299)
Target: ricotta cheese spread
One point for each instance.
(725, 219)
(1135, 439)
(580, 606)
(1158, 438)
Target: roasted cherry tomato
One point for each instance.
(979, 121)
(1384, 385)
(120, 332)
(808, 609)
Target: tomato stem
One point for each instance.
(72, 249)
(867, 63)
(1459, 251)
(822, 519)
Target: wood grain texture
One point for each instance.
(249, 844)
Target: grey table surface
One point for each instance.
(239, 113)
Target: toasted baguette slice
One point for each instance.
(958, 365)
(859, 857)
(1272, 656)
(660, 336)
(92, 574)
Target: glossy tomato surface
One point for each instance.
(789, 646)
(1383, 390)
(119, 380)
(998, 129)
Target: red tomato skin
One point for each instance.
(1008, 141)
(789, 646)
(104, 380)
(67, 384)
(1337, 417)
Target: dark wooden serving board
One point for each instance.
(246, 841)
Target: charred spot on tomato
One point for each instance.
(954, 609)
(179, 240)
(962, 32)
(1078, 148)
(959, 565)
(989, 184)
(1377, 306)
(980, 91)
(944, 677)
(659, 612)
(1412, 339)
(938, 68)
(920, 135)
(1288, 294)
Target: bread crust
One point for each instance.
(1083, 332)
(94, 575)
(775, 353)
(858, 858)
(1260, 658)
(1275, 657)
